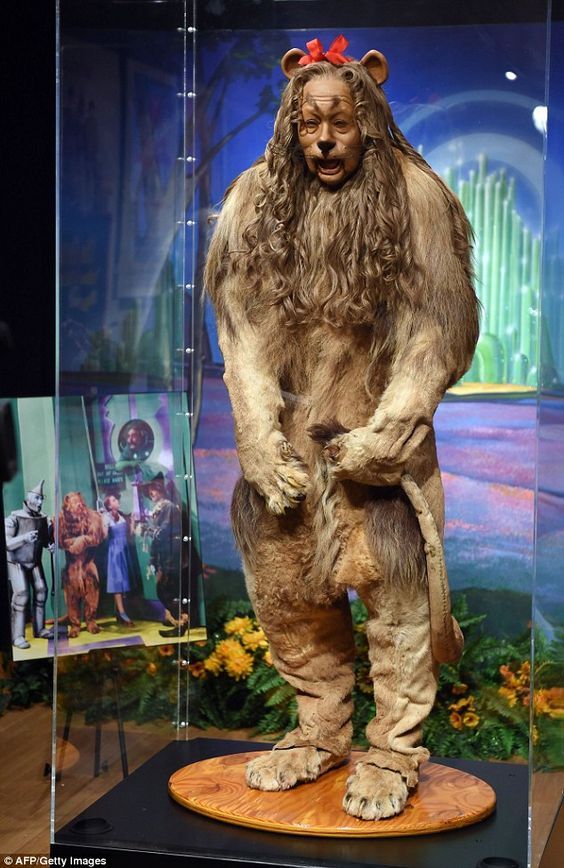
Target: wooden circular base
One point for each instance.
(67, 755)
(445, 799)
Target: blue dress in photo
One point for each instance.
(118, 558)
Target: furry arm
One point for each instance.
(434, 342)
(76, 545)
(267, 459)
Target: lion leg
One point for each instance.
(91, 597)
(311, 641)
(405, 683)
(312, 648)
(73, 598)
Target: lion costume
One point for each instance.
(341, 278)
(81, 529)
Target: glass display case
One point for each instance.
(160, 660)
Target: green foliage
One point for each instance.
(471, 718)
(143, 681)
(481, 710)
(24, 683)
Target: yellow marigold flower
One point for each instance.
(213, 663)
(152, 668)
(524, 671)
(462, 703)
(456, 720)
(459, 689)
(255, 639)
(238, 626)
(268, 658)
(509, 694)
(239, 665)
(470, 719)
(227, 647)
(542, 705)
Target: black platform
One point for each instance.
(148, 828)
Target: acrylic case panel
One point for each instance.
(547, 668)
(468, 89)
(127, 572)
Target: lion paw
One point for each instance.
(289, 488)
(364, 456)
(284, 481)
(374, 793)
(92, 627)
(283, 769)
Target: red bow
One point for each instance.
(334, 53)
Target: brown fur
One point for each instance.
(394, 536)
(323, 432)
(247, 508)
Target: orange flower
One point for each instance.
(268, 658)
(459, 689)
(152, 668)
(466, 701)
(550, 702)
(166, 650)
(516, 685)
(456, 720)
(198, 669)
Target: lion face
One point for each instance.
(328, 132)
(73, 503)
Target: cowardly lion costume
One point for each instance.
(340, 273)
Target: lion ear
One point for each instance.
(290, 63)
(376, 65)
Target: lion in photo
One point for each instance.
(81, 529)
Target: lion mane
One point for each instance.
(77, 520)
(344, 257)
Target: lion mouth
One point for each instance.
(329, 167)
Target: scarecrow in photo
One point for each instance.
(340, 274)
(28, 533)
(164, 531)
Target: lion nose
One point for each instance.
(325, 146)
